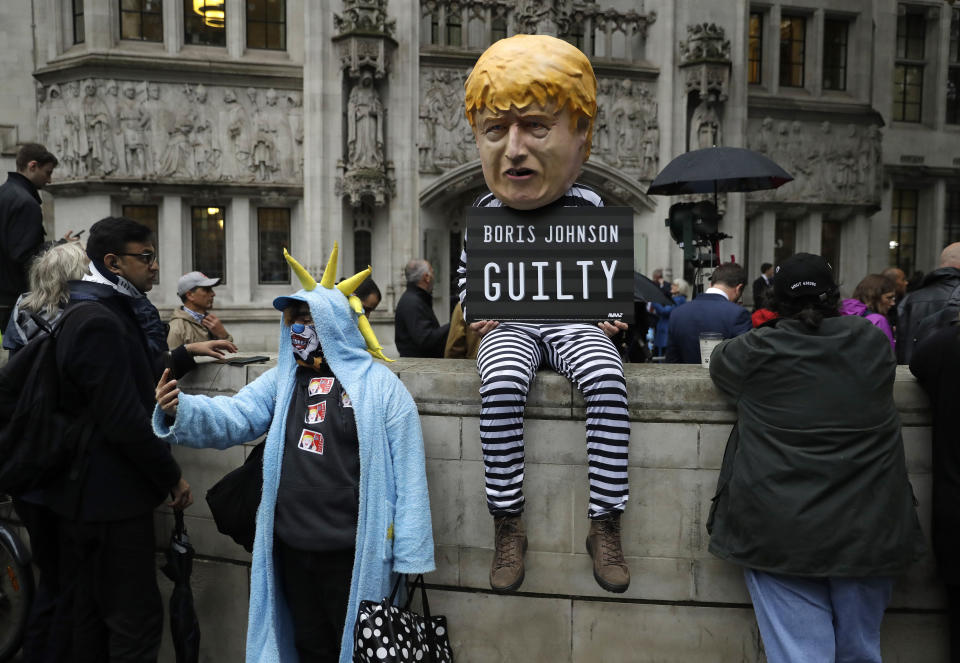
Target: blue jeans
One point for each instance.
(822, 620)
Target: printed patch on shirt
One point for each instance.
(345, 400)
(316, 413)
(311, 441)
(319, 386)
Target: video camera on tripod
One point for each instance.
(695, 227)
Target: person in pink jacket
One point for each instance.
(872, 298)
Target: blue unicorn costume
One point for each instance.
(394, 533)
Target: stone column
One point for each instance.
(172, 245)
(810, 233)
(241, 250)
(762, 233)
(173, 27)
(854, 253)
(99, 28)
(236, 27)
(323, 140)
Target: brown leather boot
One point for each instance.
(603, 543)
(510, 544)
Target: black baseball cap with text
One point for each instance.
(803, 275)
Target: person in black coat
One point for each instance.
(109, 369)
(417, 331)
(763, 286)
(936, 363)
(21, 222)
(931, 297)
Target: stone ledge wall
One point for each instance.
(682, 605)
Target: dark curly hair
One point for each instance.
(810, 310)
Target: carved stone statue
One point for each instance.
(177, 159)
(206, 150)
(134, 121)
(263, 148)
(101, 157)
(365, 125)
(705, 124)
(234, 122)
(295, 115)
(77, 142)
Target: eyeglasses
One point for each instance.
(147, 257)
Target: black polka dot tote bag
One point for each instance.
(387, 633)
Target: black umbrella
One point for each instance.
(648, 291)
(715, 169)
(184, 626)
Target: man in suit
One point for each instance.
(763, 286)
(716, 310)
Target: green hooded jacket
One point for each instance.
(813, 480)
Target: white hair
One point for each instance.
(49, 274)
(415, 270)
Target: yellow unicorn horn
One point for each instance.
(373, 345)
(308, 282)
(330, 273)
(347, 286)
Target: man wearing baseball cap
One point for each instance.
(193, 321)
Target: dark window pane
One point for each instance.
(453, 30)
(755, 47)
(792, 51)
(276, 36)
(907, 93)
(954, 55)
(953, 92)
(256, 35)
(951, 220)
(499, 28)
(78, 28)
(830, 233)
(153, 27)
(911, 36)
(903, 226)
(273, 234)
(130, 25)
(147, 215)
(209, 242)
(785, 240)
(362, 250)
(835, 55)
(275, 11)
(208, 28)
(130, 4)
(256, 10)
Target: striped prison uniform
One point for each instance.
(507, 361)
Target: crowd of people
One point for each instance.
(813, 500)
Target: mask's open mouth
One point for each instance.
(519, 172)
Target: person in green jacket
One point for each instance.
(813, 498)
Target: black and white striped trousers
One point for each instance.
(507, 360)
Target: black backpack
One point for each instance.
(39, 442)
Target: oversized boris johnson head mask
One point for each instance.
(531, 100)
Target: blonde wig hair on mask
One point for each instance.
(527, 70)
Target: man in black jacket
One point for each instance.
(931, 297)
(418, 333)
(21, 222)
(108, 372)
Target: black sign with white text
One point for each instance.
(566, 264)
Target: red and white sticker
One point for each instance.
(311, 441)
(316, 413)
(320, 386)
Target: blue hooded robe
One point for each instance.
(394, 532)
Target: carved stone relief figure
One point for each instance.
(53, 129)
(101, 157)
(177, 158)
(626, 111)
(76, 130)
(277, 118)
(263, 147)
(206, 150)
(134, 122)
(446, 140)
(161, 124)
(295, 115)
(236, 140)
(365, 125)
(828, 165)
(705, 127)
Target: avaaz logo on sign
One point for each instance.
(567, 264)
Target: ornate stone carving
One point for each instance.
(365, 41)
(626, 132)
(128, 130)
(705, 125)
(837, 164)
(446, 140)
(705, 61)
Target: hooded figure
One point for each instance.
(393, 529)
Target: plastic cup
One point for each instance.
(708, 341)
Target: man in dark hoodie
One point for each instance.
(939, 286)
(109, 363)
(21, 222)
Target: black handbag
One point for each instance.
(235, 498)
(386, 633)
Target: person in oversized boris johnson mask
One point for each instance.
(531, 101)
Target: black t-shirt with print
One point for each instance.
(317, 502)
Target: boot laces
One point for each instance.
(610, 548)
(508, 544)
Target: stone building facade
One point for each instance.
(236, 128)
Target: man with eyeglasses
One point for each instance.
(193, 322)
(109, 357)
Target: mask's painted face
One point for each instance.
(305, 342)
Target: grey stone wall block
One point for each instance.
(549, 510)
(205, 467)
(448, 502)
(663, 445)
(637, 633)
(486, 628)
(470, 438)
(718, 581)
(908, 638)
(555, 442)
(441, 437)
(476, 530)
(221, 597)
(713, 442)
(448, 566)
(665, 513)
